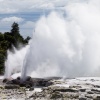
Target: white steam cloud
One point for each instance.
(14, 61)
(66, 44)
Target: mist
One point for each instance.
(14, 61)
(64, 44)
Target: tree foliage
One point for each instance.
(8, 40)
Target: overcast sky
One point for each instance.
(26, 13)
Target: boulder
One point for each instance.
(18, 78)
(5, 80)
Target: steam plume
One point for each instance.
(66, 44)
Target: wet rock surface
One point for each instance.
(29, 82)
(51, 89)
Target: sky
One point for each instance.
(26, 13)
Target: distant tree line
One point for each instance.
(8, 40)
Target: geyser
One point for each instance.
(66, 44)
(14, 61)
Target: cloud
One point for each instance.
(15, 6)
(12, 19)
(18, 6)
(5, 23)
(27, 28)
(28, 24)
(19, 9)
(7, 10)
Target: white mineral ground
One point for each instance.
(87, 83)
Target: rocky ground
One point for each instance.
(53, 89)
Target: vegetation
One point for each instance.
(8, 40)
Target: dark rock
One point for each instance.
(82, 90)
(28, 78)
(75, 87)
(16, 81)
(90, 92)
(22, 84)
(5, 80)
(89, 96)
(96, 91)
(29, 82)
(97, 98)
(65, 90)
(12, 87)
(82, 98)
(97, 86)
(55, 95)
(92, 80)
(28, 86)
(9, 82)
(18, 78)
(42, 82)
(45, 83)
(31, 89)
(54, 78)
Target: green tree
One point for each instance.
(18, 39)
(1, 37)
(2, 59)
(27, 39)
(15, 29)
(8, 40)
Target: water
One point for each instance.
(65, 45)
